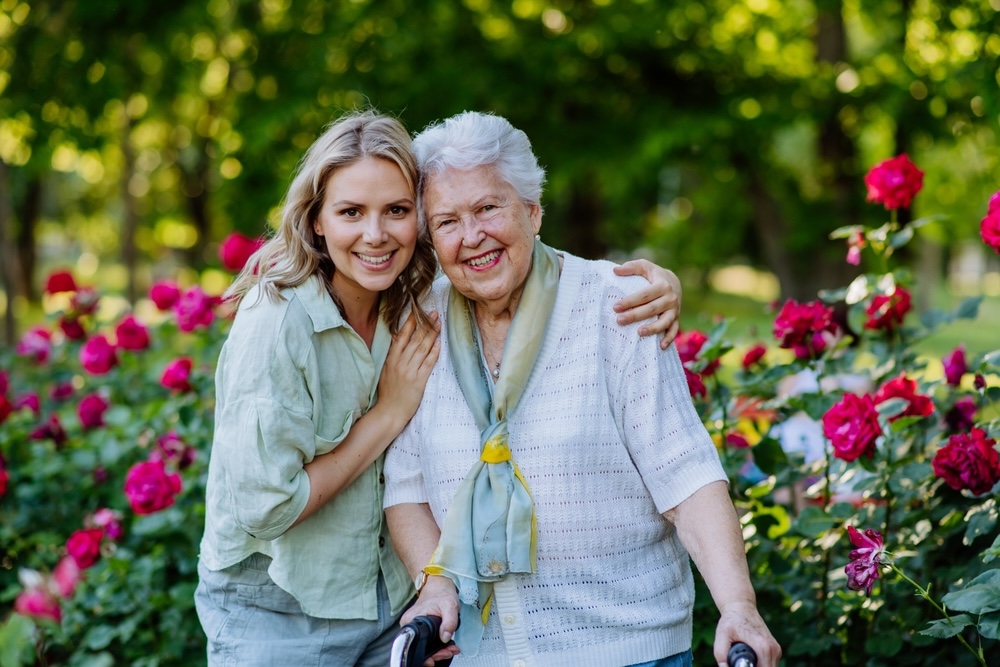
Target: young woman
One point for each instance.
(315, 380)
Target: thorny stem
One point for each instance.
(922, 592)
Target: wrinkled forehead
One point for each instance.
(452, 189)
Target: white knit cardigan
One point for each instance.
(608, 439)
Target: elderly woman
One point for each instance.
(556, 477)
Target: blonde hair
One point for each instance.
(296, 251)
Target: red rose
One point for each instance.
(4, 477)
(906, 389)
(6, 407)
(72, 328)
(194, 309)
(149, 488)
(4, 382)
(91, 411)
(61, 391)
(962, 416)
(176, 376)
(894, 183)
(689, 344)
(887, 311)
(989, 228)
(98, 356)
(35, 343)
(236, 250)
(84, 301)
(696, 386)
(29, 400)
(969, 461)
(852, 427)
(171, 449)
(753, 356)
(85, 546)
(164, 294)
(804, 327)
(60, 281)
(131, 334)
(955, 366)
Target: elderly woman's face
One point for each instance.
(482, 231)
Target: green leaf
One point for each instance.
(103, 659)
(769, 456)
(989, 625)
(884, 644)
(974, 598)
(17, 641)
(992, 358)
(933, 318)
(969, 308)
(846, 231)
(813, 522)
(832, 295)
(99, 636)
(858, 290)
(902, 237)
(942, 628)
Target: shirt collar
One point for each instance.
(318, 304)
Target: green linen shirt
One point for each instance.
(292, 378)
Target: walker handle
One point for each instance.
(741, 655)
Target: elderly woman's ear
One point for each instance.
(662, 300)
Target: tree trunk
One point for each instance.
(30, 211)
(130, 255)
(8, 258)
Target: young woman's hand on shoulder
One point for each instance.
(412, 355)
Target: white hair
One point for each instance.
(473, 139)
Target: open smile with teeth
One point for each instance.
(484, 260)
(372, 259)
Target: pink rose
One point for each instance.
(4, 382)
(855, 242)
(236, 250)
(886, 312)
(165, 294)
(84, 302)
(194, 309)
(52, 429)
(171, 449)
(753, 356)
(177, 374)
(894, 183)
(906, 389)
(6, 407)
(852, 427)
(149, 488)
(804, 328)
(61, 391)
(85, 546)
(91, 411)
(35, 343)
(689, 344)
(955, 366)
(98, 356)
(72, 328)
(865, 559)
(66, 576)
(109, 521)
(60, 281)
(969, 461)
(131, 334)
(38, 603)
(989, 228)
(28, 400)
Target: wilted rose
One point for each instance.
(66, 576)
(177, 375)
(149, 488)
(955, 366)
(91, 409)
(753, 356)
(165, 294)
(52, 429)
(804, 327)
(72, 328)
(85, 546)
(989, 228)
(35, 343)
(906, 389)
(887, 311)
(894, 183)
(969, 461)
(865, 559)
(131, 334)
(98, 356)
(84, 301)
(60, 281)
(236, 249)
(194, 309)
(171, 449)
(852, 427)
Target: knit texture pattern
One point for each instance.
(608, 439)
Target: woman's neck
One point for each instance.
(361, 312)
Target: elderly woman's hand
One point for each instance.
(741, 622)
(662, 300)
(437, 598)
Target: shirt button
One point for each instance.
(381, 541)
(381, 478)
(509, 619)
(519, 663)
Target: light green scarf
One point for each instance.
(490, 527)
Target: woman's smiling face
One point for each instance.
(369, 224)
(483, 233)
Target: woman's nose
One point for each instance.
(472, 232)
(374, 231)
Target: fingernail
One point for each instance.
(446, 636)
